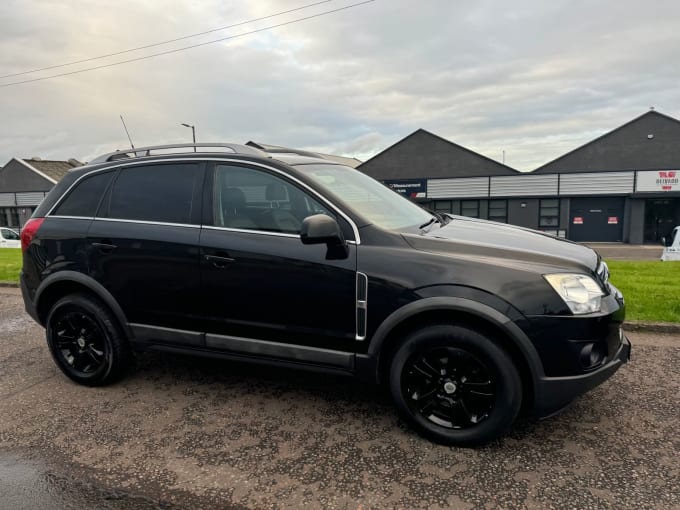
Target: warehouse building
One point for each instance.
(620, 187)
(23, 185)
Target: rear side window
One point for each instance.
(85, 196)
(162, 193)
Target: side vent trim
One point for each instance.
(362, 306)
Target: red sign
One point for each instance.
(578, 220)
(613, 220)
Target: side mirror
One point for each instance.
(664, 242)
(321, 229)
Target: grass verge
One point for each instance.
(10, 264)
(651, 289)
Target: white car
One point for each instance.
(671, 250)
(9, 238)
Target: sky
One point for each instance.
(531, 79)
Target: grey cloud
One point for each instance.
(534, 79)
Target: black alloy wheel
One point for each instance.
(455, 385)
(85, 341)
(450, 387)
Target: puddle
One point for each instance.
(28, 486)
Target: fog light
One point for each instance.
(591, 355)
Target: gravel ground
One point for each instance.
(190, 433)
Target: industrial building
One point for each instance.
(620, 187)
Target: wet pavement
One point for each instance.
(191, 433)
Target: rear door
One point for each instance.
(143, 247)
(263, 291)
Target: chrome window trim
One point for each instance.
(250, 231)
(262, 232)
(355, 230)
(149, 222)
(72, 217)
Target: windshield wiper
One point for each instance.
(434, 219)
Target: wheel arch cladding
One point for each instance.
(464, 312)
(63, 283)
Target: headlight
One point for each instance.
(581, 293)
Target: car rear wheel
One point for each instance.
(85, 340)
(455, 385)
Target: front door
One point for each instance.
(263, 290)
(143, 247)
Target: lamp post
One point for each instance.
(193, 133)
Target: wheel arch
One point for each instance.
(461, 311)
(58, 285)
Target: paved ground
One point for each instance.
(620, 251)
(185, 433)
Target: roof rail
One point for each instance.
(141, 152)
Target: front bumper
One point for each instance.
(553, 393)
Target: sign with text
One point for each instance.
(410, 188)
(658, 180)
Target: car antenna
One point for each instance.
(127, 132)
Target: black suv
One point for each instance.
(286, 258)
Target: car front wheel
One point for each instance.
(455, 385)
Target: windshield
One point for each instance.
(372, 200)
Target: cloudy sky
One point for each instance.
(533, 78)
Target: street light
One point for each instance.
(193, 133)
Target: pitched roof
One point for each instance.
(53, 170)
(347, 161)
(427, 155)
(648, 142)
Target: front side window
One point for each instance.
(84, 198)
(250, 199)
(158, 193)
(10, 235)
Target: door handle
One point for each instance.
(218, 261)
(105, 246)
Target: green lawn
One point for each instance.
(651, 289)
(10, 264)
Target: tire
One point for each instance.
(86, 341)
(455, 385)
